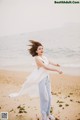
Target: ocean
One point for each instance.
(61, 45)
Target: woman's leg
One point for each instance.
(44, 100)
(48, 88)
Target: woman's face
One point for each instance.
(40, 50)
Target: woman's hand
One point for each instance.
(57, 65)
(60, 72)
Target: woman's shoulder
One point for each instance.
(37, 58)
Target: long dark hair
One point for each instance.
(34, 45)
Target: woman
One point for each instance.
(38, 82)
(44, 85)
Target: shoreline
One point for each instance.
(67, 70)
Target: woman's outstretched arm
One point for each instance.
(54, 64)
(41, 64)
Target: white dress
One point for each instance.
(30, 85)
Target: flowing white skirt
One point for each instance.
(30, 85)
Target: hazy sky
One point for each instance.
(18, 16)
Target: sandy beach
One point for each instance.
(65, 97)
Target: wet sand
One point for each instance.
(65, 97)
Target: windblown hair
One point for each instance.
(34, 45)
